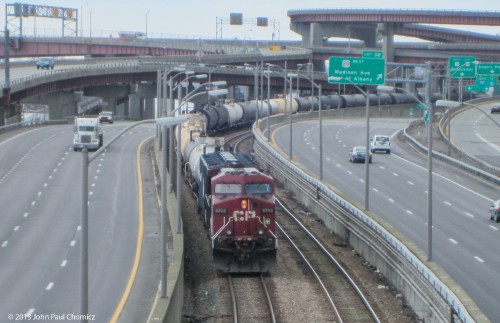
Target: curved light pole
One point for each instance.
(429, 151)
(455, 104)
(191, 95)
(86, 160)
(367, 153)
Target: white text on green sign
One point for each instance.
(462, 66)
(372, 54)
(488, 68)
(369, 71)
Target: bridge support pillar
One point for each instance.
(61, 104)
(388, 31)
(113, 94)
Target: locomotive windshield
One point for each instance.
(258, 188)
(227, 188)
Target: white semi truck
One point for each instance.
(87, 133)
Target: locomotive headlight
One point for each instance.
(260, 232)
(229, 233)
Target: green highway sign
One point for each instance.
(345, 70)
(476, 88)
(488, 68)
(372, 54)
(489, 81)
(462, 66)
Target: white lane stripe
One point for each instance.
(25, 215)
(409, 212)
(447, 203)
(30, 311)
(472, 216)
(5, 243)
(391, 200)
(72, 243)
(494, 228)
(453, 241)
(63, 263)
(49, 286)
(444, 178)
(479, 259)
(410, 183)
(16, 228)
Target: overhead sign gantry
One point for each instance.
(15, 12)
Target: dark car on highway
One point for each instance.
(106, 116)
(45, 62)
(358, 154)
(495, 108)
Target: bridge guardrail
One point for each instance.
(392, 254)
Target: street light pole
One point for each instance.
(367, 152)
(84, 255)
(429, 158)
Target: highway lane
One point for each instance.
(40, 187)
(463, 235)
(477, 135)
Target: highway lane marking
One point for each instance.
(410, 183)
(494, 228)
(409, 212)
(78, 228)
(72, 243)
(444, 178)
(49, 286)
(395, 174)
(30, 311)
(470, 215)
(479, 259)
(16, 228)
(25, 215)
(33, 203)
(5, 243)
(453, 241)
(63, 263)
(375, 189)
(447, 203)
(140, 232)
(390, 200)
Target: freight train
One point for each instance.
(221, 116)
(235, 200)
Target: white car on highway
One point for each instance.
(380, 143)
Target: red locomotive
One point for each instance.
(238, 205)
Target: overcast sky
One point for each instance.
(197, 18)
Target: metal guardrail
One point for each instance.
(371, 226)
(491, 169)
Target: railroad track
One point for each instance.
(250, 298)
(346, 299)
(233, 140)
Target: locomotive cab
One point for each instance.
(242, 224)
